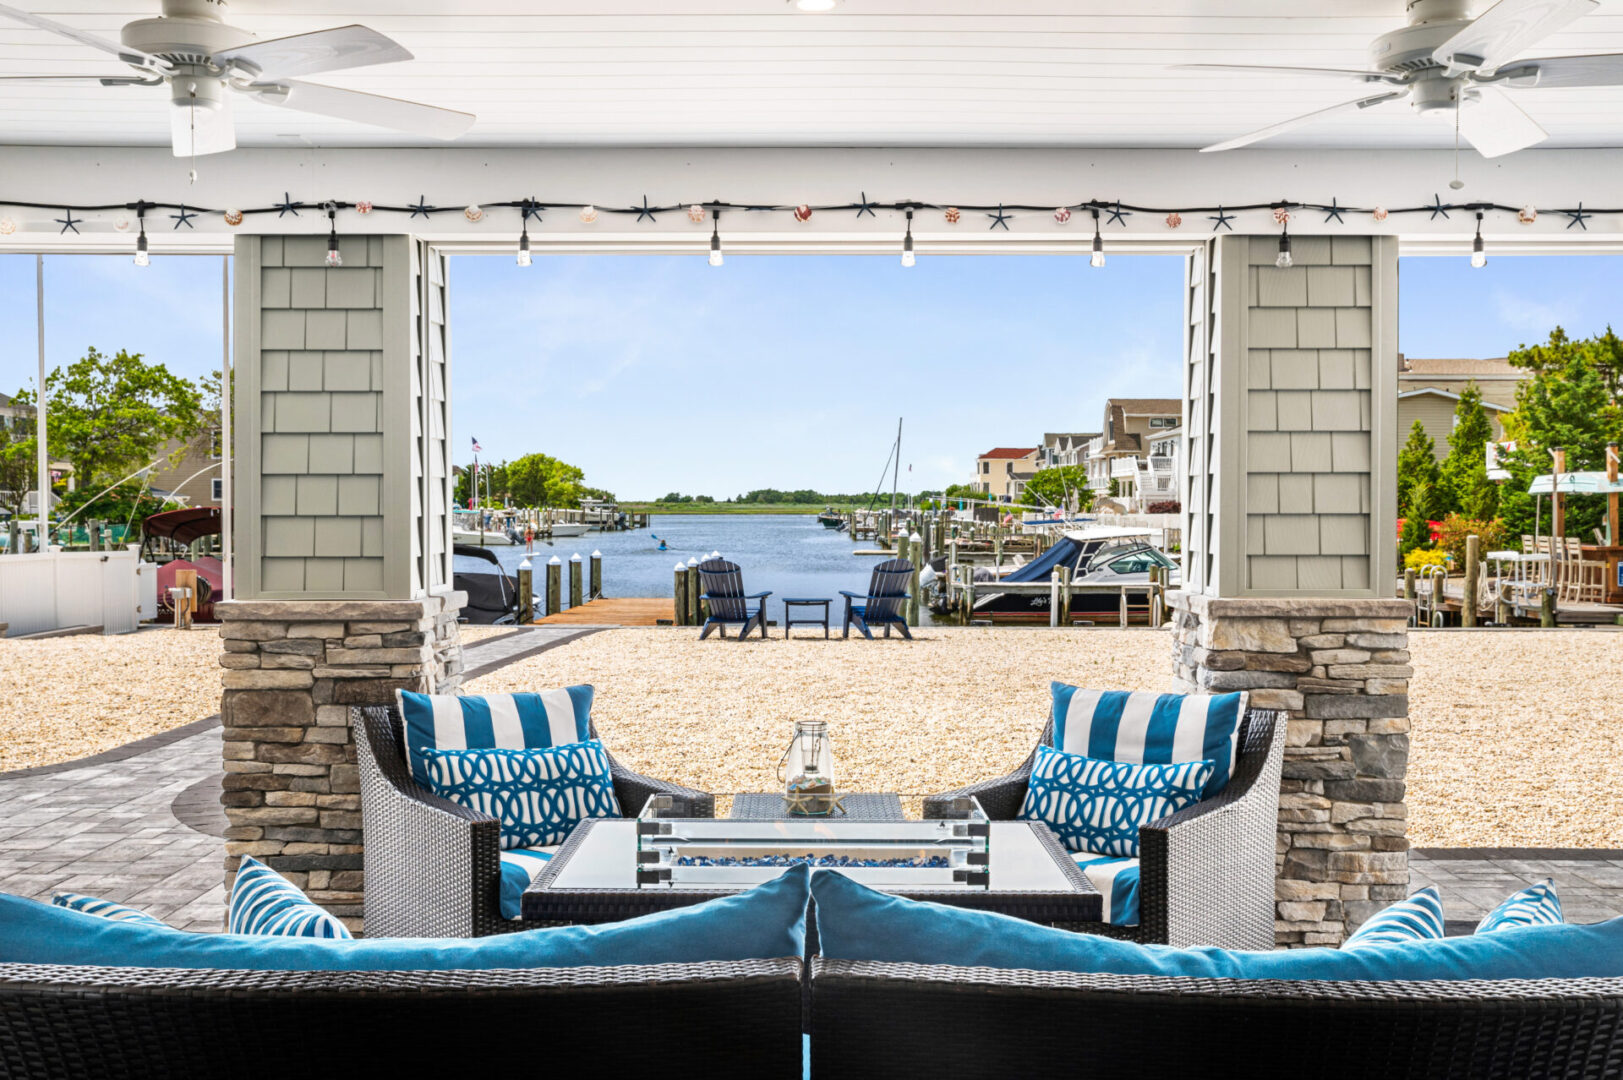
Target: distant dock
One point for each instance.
(614, 611)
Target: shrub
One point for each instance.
(1454, 530)
(1420, 558)
(1165, 506)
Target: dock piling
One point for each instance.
(555, 573)
(915, 548)
(574, 580)
(695, 604)
(526, 593)
(680, 594)
(1473, 569)
(596, 579)
(1054, 587)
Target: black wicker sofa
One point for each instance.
(996, 1023)
(726, 1019)
(433, 868)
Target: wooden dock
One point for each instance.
(616, 611)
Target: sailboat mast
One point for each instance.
(896, 470)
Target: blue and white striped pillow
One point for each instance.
(537, 795)
(107, 909)
(1536, 905)
(493, 722)
(1419, 918)
(1142, 727)
(1098, 806)
(265, 902)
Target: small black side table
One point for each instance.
(859, 806)
(792, 602)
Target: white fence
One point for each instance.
(55, 589)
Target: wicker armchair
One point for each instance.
(1140, 1025)
(1206, 873)
(433, 868)
(732, 1019)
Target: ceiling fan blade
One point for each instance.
(1604, 69)
(129, 56)
(196, 130)
(1495, 125)
(101, 80)
(1494, 38)
(306, 54)
(386, 112)
(1275, 69)
(1297, 121)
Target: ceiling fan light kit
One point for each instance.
(205, 62)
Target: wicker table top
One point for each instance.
(859, 806)
(592, 879)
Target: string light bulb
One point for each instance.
(1098, 258)
(333, 257)
(141, 256)
(1479, 257)
(715, 239)
(524, 237)
(907, 242)
(1283, 259)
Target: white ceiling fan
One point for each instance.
(204, 62)
(1446, 63)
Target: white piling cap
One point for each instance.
(680, 565)
(575, 557)
(525, 565)
(916, 538)
(554, 561)
(692, 561)
(597, 554)
(715, 554)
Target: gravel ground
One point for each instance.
(1499, 717)
(472, 634)
(71, 697)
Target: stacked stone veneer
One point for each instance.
(293, 669)
(1340, 668)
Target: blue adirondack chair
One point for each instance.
(723, 586)
(885, 603)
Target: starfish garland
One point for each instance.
(1117, 215)
(999, 218)
(865, 207)
(1332, 213)
(420, 207)
(1437, 208)
(645, 211)
(1223, 220)
(531, 208)
(287, 206)
(70, 222)
(183, 218)
(1577, 217)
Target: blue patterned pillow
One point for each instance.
(493, 722)
(537, 795)
(1419, 918)
(1098, 806)
(266, 903)
(107, 909)
(1145, 727)
(1536, 905)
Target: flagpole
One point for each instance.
(43, 538)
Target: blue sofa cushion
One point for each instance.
(265, 902)
(765, 923)
(494, 721)
(1146, 727)
(520, 866)
(107, 909)
(1098, 806)
(1419, 918)
(537, 795)
(857, 923)
(1536, 905)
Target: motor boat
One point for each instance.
(567, 528)
(466, 528)
(493, 598)
(1095, 556)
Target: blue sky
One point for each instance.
(659, 373)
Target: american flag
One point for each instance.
(477, 448)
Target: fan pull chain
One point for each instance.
(1459, 103)
(191, 118)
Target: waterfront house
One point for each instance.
(1123, 451)
(1061, 449)
(1429, 389)
(995, 470)
(190, 472)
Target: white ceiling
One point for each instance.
(758, 72)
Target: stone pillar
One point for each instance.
(293, 668)
(1340, 668)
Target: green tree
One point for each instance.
(1464, 482)
(1416, 530)
(962, 491)
(541, 480)
(1417, 467)
(17, 465)
(109, 415)
(1056, 486)
(1573, 400)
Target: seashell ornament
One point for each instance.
(803, 212)
(1379, 213)
(1174, 220)
(122, 223)
(363, 207)
(952, 215)
(474, 213)
(1281, 215)
(7, 226)
(233, 217)
(1062, 214)
(1527, 215)
(696, 213)
(588, 214)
